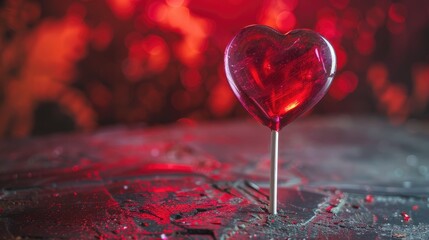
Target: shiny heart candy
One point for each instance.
(278, 77)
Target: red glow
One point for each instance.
(344, 84)
(52, 51)
(329, 208)
(279, 14)
(285, 21)
(369, 198)
(123, 9)
(421, 90)
(397, 15)
(72, 54)
(378, 77)
(147, 55)
(221, 100)
(101, 36)
(405, 217)
(154, 167)
(327, 24)
(397, 12)
(350, 21)
(187, 121)
(341, 57)
(394, 98)
(191, 79)
(175, 15)
(176, 3)
(365, 43)
(289, 5)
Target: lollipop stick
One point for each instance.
(273, 175)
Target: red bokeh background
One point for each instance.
(75, 65)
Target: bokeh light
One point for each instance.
(97, 63)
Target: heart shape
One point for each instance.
(278, 77)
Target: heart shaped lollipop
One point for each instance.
(278, 77)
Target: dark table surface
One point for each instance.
(340, 178)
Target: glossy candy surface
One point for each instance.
(278, 77)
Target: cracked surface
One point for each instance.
(339, 178)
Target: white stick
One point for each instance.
(274, 167)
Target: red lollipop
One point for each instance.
(278, 77)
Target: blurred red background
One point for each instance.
(75, 65)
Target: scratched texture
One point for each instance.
(340, 178)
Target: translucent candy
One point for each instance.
(278, 77)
